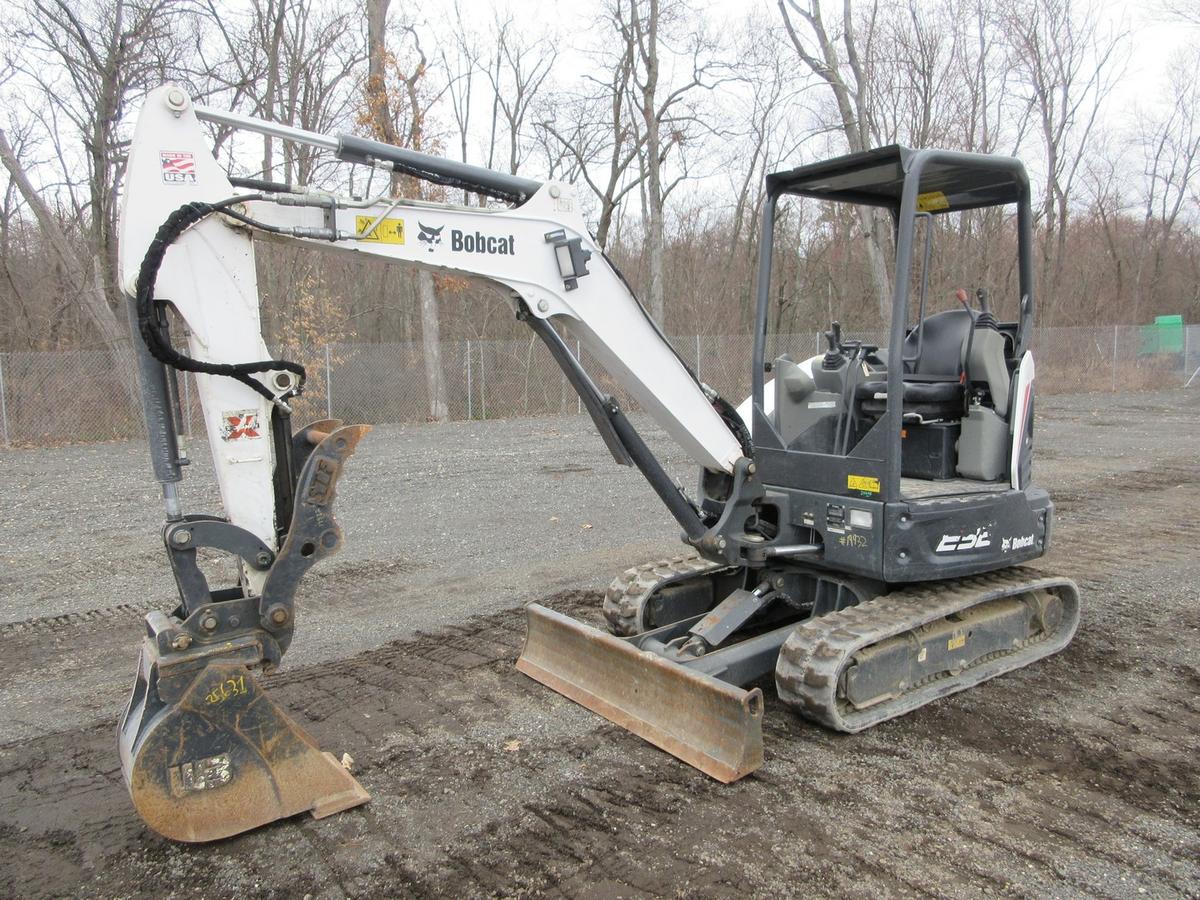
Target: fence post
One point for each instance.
(470, 391)
(328, 385)
(578, 396)
(1114, 362)
(4, 405)
(1196, 371)
(697, 357)
(1185, 350)
(482, 380)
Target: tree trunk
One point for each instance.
(435, 383)
(850, 93)
(377, 99)
(647, 32)
(377, 93)
(875, 239)
(85, 280)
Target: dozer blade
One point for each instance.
(221, 758)
(708, 723)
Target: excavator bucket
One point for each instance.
(708, 723)
(204, 752)
(221, 758)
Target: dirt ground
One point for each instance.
(1079, 776)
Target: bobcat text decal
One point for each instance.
(1016, 543)
(481, 243)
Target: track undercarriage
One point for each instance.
(846, 653)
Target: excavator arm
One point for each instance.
(866, 598)
(205, 753)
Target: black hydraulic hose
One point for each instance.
(258, 184)
(729, 415)
(176, 224)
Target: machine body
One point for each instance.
(857, 528)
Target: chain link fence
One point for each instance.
(51, 398)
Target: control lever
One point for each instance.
(982, 295)
(834, 337)
(833, 355)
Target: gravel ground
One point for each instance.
(1076, 777)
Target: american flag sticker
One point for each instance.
(178, 168)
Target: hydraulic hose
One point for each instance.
(146, 308)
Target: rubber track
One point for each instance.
(813, 657)
(628, 593)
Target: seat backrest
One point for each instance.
(941, 343)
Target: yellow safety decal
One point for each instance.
(959, 640)
(864, 483)
(932, 201)
(389, 231)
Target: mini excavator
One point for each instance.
(858, 529)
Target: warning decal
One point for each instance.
(932, 201)
(240, 425)
(864, 483)
(389, 231)
(178, 168)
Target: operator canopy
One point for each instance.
(950, 181)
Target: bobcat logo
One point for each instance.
(430, 236)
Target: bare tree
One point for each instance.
(517, 71)
(1184, 11)
(385, 110)
(460, 66)
(87, 64)
(593, 127)
(1102, 178)
(762, 136)
(1068, 64)
(1170, 145)
(81, 278)
(664, 112)
(831, 52)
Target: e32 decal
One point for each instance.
(977, 540)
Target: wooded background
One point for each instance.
(664, 114)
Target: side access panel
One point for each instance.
(948, 537)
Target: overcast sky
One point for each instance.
(1151, 43)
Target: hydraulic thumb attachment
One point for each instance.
(204, 752)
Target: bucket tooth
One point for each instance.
(221, 758)
(708, 723)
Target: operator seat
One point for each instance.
(933, 380)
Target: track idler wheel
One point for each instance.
(221, 758)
